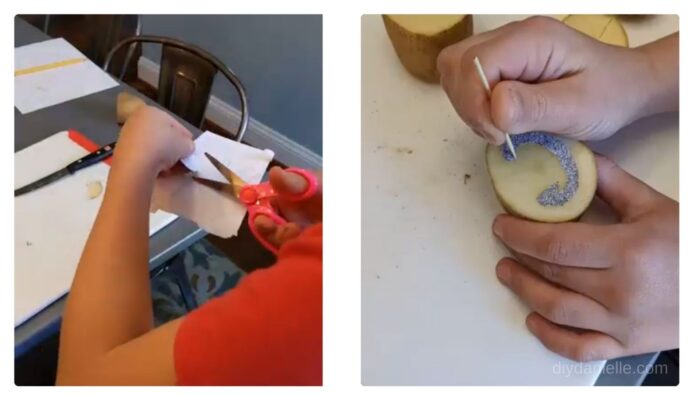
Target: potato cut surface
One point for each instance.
(428, 25)
(606, 28)
(519, 183)
(94, 189)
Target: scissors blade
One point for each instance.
(235, 181)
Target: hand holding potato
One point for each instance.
(599, 291)
(549, 77)
(151, 141)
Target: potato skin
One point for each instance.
(418, 52)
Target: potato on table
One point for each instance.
(418, 39)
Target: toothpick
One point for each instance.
(485, 82)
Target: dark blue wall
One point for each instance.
(278, 58)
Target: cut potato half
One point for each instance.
(606, 28)
(519, 183)
(418, 39)
(127, 104)
(94, 189)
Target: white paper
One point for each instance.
(214, 211)
(53, 222)
(50, 87)
(247, 162)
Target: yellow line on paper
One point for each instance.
(485, 82)
(49, 66)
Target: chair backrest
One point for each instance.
(186, 77)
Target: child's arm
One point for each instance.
(110, 302)
(271, 323)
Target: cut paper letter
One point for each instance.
(53, 72)
(214, 211)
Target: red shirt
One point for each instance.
(266, 331)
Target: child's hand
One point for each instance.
(549, 77)
(299, 214)
(152, 141)
(619, 283)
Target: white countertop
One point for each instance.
(433, 312)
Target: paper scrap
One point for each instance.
(243, 159)
(65, 80)
(213, 211)
(216, 212)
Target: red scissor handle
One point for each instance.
(257, 198)
(257, 210)
(310, 179)
(253, 194)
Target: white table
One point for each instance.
(433, 311)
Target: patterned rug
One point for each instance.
(209, 274)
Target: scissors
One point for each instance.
(258, 197)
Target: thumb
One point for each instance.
(276, 234)
(187, 147)
(518, 107)
(180, 141)
(287, 183)
(625, 194)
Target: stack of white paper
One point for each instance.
(51, 72)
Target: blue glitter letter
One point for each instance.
(554, 194)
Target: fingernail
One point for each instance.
(530, 323)
(296, 183)
(264, 224)
(503, 272)
(496, 139)
(516, 107)
(498, 226)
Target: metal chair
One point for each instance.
(186, 77)
(184, 86)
